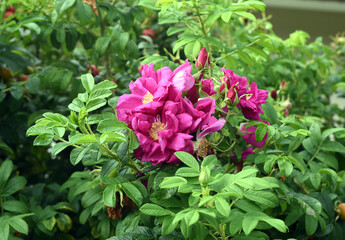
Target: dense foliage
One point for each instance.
(209, 126)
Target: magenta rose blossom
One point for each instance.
(249, 135)
(162, 135)
(250, 99)
(250, 103)
(162, 120)
(152, 89)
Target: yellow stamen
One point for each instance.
(157, 126)
(148, 97)
(248, 96)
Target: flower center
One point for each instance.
(248, 96)
(148, 97)
(157, 126)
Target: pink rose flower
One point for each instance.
(250, 102)
(162, 120)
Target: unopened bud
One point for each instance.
(205, 176)
(202, 59)
(274, 94)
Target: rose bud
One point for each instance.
(149, 32)
(202, 58)
(274, 94)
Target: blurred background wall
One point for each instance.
(317, 17)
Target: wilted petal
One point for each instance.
(213, 127)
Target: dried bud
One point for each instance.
(274, 94)
(202, 59)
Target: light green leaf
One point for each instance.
(110, 125)
(188, 159)
(19, 225)
(112, 137)
(62, 5)
(154, 210)
(95, 104)
(222, 206)
(88, 82)
(109, 195)
(226, 16)
(249, 223)
(172, 182)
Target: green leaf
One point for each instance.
(100, 93)
(172, 182)
(245, 173)
(4, 230)
(276, 223)
(62, 5)
(168, 226)
(57, 148)
(226, 16)
(311, 224)
(84, 11)
(110, 125)
(112, 137)
(77, 154)
(106, 84)
(188, 159)
(15, 206)
(265, 198)
(330, 131)
(285, 167)
(150, 4)
(49, 223)
(309, 205)
(222, 206)
(95, 104)
(315, 179)
(249, 223)
(192, 49)
(172, 30)
(64, 222)
(17, 92)
(210, 161)
(154, 210)
(212, 18)
(187, 172)
(88, 82)
(245, 57)
(19, 225)
(246, 15)
(13, 185)
(315, 133)
(5, 172)
(33, 85)
(328, 158)
(270, 112)
(333, 147)
(133, 193)
(191, 217)
(109, 195)
(260, 132)
(102, 44)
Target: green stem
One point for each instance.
(236, 50)
(2, 210)
(9, 89)
(317, 151)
